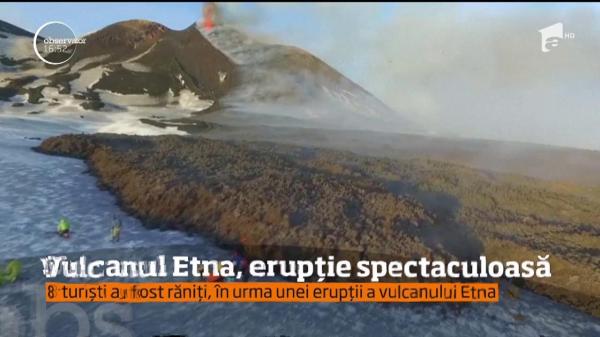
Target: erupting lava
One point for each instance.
(209, 13)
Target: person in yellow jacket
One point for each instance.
(64, 228)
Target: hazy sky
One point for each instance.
(473, 70)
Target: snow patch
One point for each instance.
(20, 98)
(190, 101)
(37, 189)
(181, 80)
(136, 67)
(129, 123)
(87, 61)
(222, 76)
(135, 58)
(37, 69)
(60, 105)
(125, 101)
(121, 114)
(37, 83)
(88, 78)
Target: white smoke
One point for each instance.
(467, 70)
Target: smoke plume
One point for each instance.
(471, 70)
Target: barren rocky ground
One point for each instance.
(290, 201)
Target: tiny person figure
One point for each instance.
(64, 228)
(116, 229)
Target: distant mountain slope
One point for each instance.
(143, 63)
(146, 58)
(562, 164)
(15, 46)
(6, 27)
(139, 62)
(131, 63)
(303, 85)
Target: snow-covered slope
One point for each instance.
(30, 207)
(124, 73)
(144, 64)
(129, 58)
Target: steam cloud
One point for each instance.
(469, 70)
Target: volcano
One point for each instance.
(140, 62)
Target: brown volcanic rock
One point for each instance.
(297, 202)
(240, 194)
(174, 60)
(205, 68)
(128, 34)
(121, 40)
